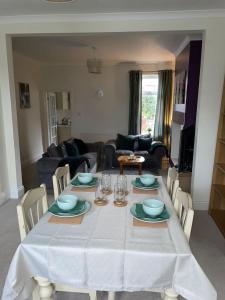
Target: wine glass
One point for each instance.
(122, 182)
(100, 194)
(106, 183)
(119, 194)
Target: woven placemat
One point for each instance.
(139, 223)
(64, 220)
(145, 192)
(78, 189)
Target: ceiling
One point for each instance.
(38, 7)
(112, 48)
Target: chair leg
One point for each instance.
(45, 288)
(111, 295)
(35, 295)
(93, 295)
(170, 294)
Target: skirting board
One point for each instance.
(17, 193)
(3, 198)
(201, 205)
(20, 190)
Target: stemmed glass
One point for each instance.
(100, 194)
(122, 182)
(106, 183)
(119, 195)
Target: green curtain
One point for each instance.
(164, 107)
(135, 102)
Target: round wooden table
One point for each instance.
(125, 160)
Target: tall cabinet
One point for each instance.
(217, 199)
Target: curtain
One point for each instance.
(164, 107)
(135, 102)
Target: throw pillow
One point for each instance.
(125, 142)
(53, 151)
(144, 143)
(82, 147)
(71, 149)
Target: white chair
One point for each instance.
(31, 208)
(60, 180)
(183, 207)
(172, 183)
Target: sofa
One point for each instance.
(81, 157)
(140, 145)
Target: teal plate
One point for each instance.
(81, 208)
(75, 182)
(139, 214)
(139, 185)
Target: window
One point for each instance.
(149, 102)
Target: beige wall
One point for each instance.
(211, 82)
(93, 117)
(29, 123)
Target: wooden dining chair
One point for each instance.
(31, 208)
(172, 183)
(183, 207)
(60, 180)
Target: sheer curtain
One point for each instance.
(164, 107)
(135, 102)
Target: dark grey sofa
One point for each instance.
(57, 156)
(153, 156)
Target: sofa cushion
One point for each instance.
(141, 153)
(144, 143)
(123, 152)
(92, 157)
(71, 149)
(82, 147)
(125, 142)
(54, 151)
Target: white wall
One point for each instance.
(95, 118)
(212, 23)
(27, 70)
(3, 166)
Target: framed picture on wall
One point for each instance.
(180, 87)
(24, 92)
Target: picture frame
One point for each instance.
(24, 94)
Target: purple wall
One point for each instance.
(189, 60)
(193, 83)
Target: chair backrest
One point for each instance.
(31, 208)
(60, 179)
(183, 207)
(172, 178)
(175, 187)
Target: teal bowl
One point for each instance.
(85, 178)
(153, 207)
(147, 179)
(67, 202)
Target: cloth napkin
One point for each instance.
(76, 182)
(140, 214)
(75, 211)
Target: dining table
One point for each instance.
(109, 251)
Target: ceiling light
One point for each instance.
(94, 65)
(59, 1)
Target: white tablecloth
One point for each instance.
(106, 252)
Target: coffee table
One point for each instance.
(125, 160)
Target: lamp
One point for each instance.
(94, 65)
